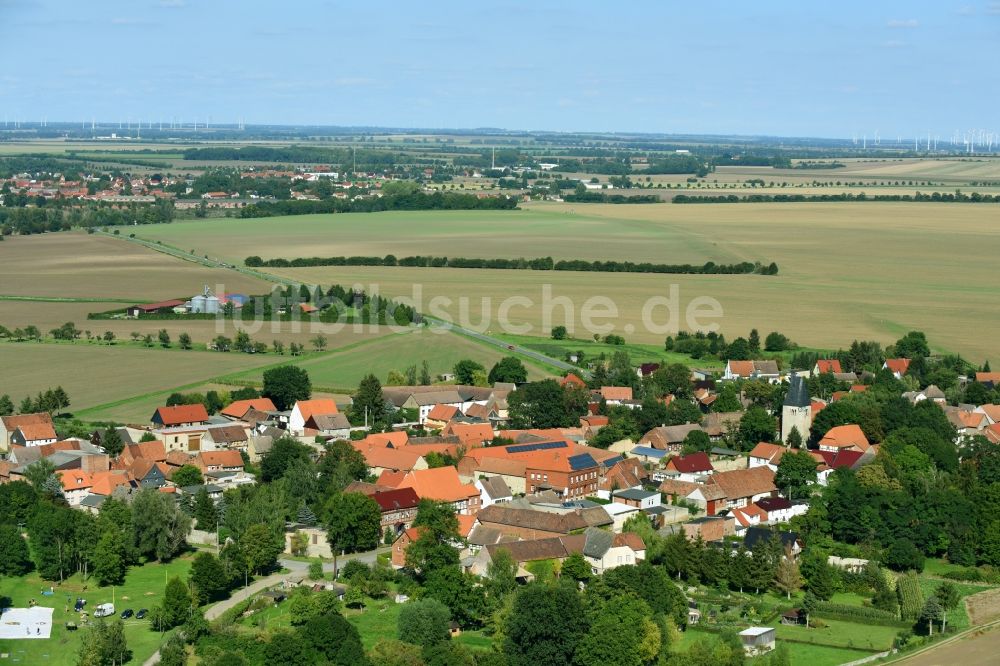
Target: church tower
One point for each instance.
(796, 411)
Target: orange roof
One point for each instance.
(845, 437)
(741, 368)
(616, 392)
(317, 407)
(572, 380)
(241, 407)
(104, 483)
(471, 434)
(395, 438)
(37, 431)
(74, 479)
(13, 422)
(594, 420)
(442, 412)
(440, 484)
(988, 377)
(178, 414)
(154, 450)
(390, 479)
(992, 411)
(229, 458)
(389, 458)
(465, 524)
(769, 452)
(815, 407)
(828, 365)
(858, 388)
(992, 433)
(897, 365)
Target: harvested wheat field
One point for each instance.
(81, 265)
(95, 374)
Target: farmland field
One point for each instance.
(344, 370)
(847, 270)
(95, 374)
(48, 315)
(76, 264)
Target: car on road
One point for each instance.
(127, 613)
(141, 614)
(510, 347)
(104, 610)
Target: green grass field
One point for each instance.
(342, 371)
(143, 588)
(847, 270)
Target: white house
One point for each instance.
(304, 409)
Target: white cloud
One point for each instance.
(903, 23)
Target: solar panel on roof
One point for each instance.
(537, 446)
(582, 461)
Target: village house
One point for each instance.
(827, 365)
(439, 416)
(218, 461)
(690, 467)
(398, 508)
(304, 409)
(179, 416)
(8, 424)
(33, 434)
(668, 438)
(441, 484)
(844, 437)
(493, 490)
(602, 550)
(640, 499)
(897, 366)
(767, 455)
(766, 370)
(332, 426)
(511, 471)
(616, 395)
(316, 543)
(238, 409)
(709, 528)
(182, 438)
(233, 436)
(386, 458)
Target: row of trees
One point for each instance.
(539, 264)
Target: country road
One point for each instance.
(476, 335)
(294, 566)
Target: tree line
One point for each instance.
(411, 201)
(537, 264)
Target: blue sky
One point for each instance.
(778, 68)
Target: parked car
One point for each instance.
(127, 613)
(142, 613)
(104, 610)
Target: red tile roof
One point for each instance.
(207, 459)
(691, 463)
(317, 407)
(442, 412)
(441, 483)
(828, 365)
(36, 432)
(241, 407)
(616, 392)
(845, 437)
(393, 500)
(572, 380)
(897, 365)
(181, 414)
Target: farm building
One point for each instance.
(153, 308)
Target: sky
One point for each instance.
(744, 68)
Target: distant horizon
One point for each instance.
(188, 126)
(778, 69)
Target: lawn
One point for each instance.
(638, 353)
(841, 634)
(847, 270)
(143, 588)
(800, 653)
(344, 370)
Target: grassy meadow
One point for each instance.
(847, 270)
(343, 370)
(143, 588)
